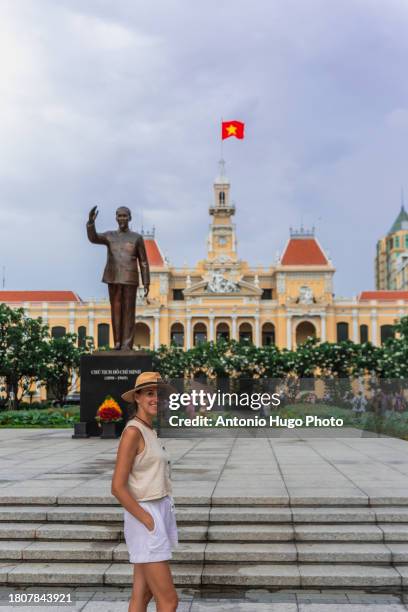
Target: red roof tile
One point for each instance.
(383, 295)
(303, 252)
(13, 297)
(153, 252)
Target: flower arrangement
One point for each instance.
(109, 411)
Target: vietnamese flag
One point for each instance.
(232, 128)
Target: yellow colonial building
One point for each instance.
(225, 296)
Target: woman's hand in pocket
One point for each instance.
(148, 522)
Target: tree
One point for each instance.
(401, 330)
(23, 352)
(64, 357)
(337, 362)
(392, 361)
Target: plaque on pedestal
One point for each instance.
(107, 373)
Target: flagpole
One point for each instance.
(222, 141)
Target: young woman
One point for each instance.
(141, 483)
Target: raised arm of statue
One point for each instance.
(144, 264)
(93, 236)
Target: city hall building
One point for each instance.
(223, 296)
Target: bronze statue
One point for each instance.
(126, 249)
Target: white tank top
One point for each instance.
(149, 477)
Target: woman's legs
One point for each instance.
(141, 594)
(160, 582)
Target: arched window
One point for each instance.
(386, 332)
(81, 336)
(199, 333)
(268, 334)
(363, 333)
(342, 332)
(177, 335)
(305, 330)
(222, 198)
(58, 331)
(103, 335)
(223, 332)
(142, 335)
(245, 333)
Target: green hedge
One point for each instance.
(394, 424)
(45, 418)
(320, 410)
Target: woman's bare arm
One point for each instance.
(127, 450)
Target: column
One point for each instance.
(45, 312)
(91, 323)
(374, 339)
(257, 334)
(74, 382)
(288, 332)
(37, 393)
(211, 318)
(188, 332)
(156, 331)
(323, 333)
(234, 327)
(355, 325)
(71, 318)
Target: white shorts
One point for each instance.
(146, 546)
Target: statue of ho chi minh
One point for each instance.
(126, 251)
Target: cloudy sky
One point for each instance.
(120, 102)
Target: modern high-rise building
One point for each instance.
(391, 262)
(402, 272)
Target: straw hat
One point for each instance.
(147, 379)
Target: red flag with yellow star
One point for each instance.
(232, 128)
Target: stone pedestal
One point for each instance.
(107, 373)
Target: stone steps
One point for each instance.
(69, 531)
(278, 576)
(302, 575)
(197, 514)
(214, 533)
(212, 552)
(228, 499)
(243, 546)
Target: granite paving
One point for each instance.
(104, 599)
(293, 473)
(46, 466)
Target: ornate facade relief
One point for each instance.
(328, 283)
(140, 298)
(280, 283)
(218, 283)
(164, 284)
(305, 295)
(222, 259)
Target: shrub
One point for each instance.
(45, 418)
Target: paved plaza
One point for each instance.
(48, 465)
(116, 600)
(292, 474)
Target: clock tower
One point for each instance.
(222, 242)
